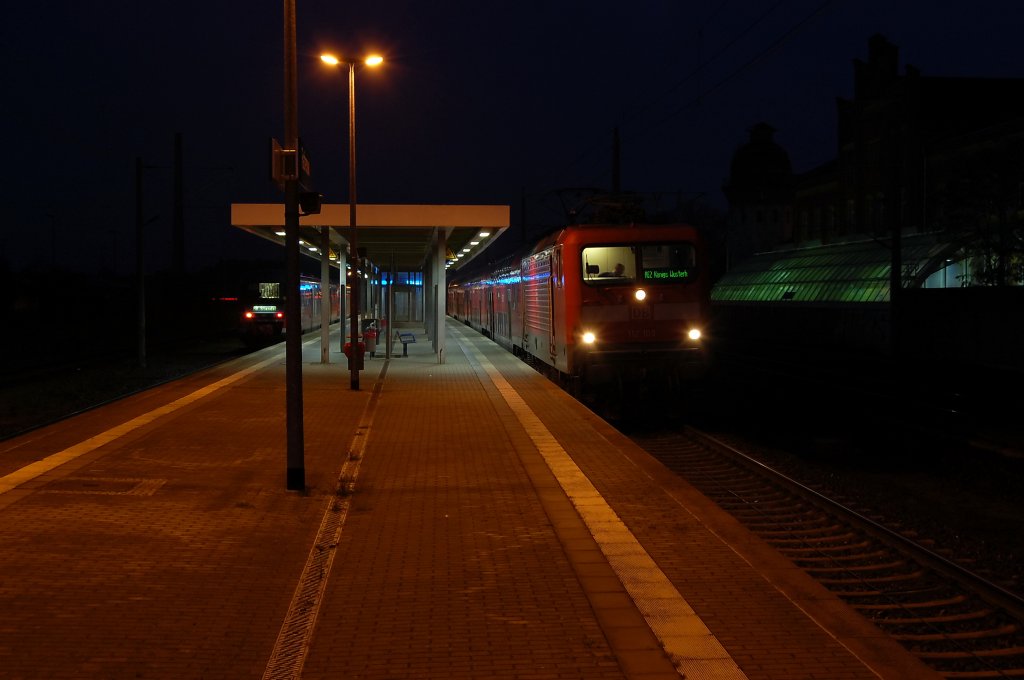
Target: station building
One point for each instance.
(924, 199)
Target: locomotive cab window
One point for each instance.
(669, 262)
(650, 263)
(609, 264)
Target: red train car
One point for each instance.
(599, 303)
(263, 316)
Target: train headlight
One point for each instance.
(589, 338)
(693, 334)
(248, 315)
(640, 294)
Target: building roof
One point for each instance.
(838, 273)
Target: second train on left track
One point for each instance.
(263, 314)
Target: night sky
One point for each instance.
(478, 102)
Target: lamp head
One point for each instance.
(372, 60)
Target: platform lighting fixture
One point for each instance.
(466, 250)
(474, 243)
(371, 60)
(278, 233)
(484, 234)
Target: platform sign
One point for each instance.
(286, 165)
(282, 164)
(304, 167)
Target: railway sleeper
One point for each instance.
(761, 492)
(801, 515)
(831, 543)
(970, 654)
(972, 615)
(828, 540)
(832, 559)
(1008, 629)
(933, 592)
(756, 507)
(861, 568)
(782, 531)
(958, 599)
(894, 578)
(983, 675)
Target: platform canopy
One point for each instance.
(402, 232)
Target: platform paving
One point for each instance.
(461, 520)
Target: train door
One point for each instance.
(537, 305)
(516, 321)
(556, 275)
(489, 311)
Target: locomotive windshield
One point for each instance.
(651, 263)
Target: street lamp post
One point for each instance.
(354, 285)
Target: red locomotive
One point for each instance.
(598, 304)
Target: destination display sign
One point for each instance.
(666, 274)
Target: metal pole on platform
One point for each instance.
(391, 307)
(296, 470)
(356, 260)
(325, 295)
(353, 231)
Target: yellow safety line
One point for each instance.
(41, 467)
(688, 642)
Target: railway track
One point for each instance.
(35, 397)
(954, 620)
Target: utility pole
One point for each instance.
(296, 469)
(178, 245)
(140, 266)
(616, 163)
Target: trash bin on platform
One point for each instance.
(369, 327)
(370, 340)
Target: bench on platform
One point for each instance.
(405, 338)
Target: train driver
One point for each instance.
(619, 271)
